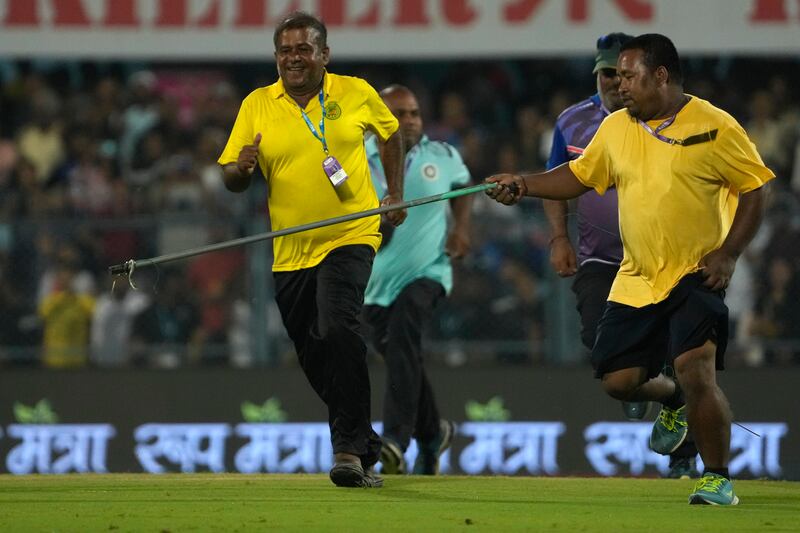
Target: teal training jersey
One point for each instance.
(416, 250)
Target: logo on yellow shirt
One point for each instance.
(332, 111)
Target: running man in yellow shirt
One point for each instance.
(306, 133)
(691, 197)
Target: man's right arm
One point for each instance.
(235, 180)
(237, 176)
(557, 184)
(594, 166)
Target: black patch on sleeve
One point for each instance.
(700, 138)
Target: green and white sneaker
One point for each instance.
(669, 430)
(713, 489)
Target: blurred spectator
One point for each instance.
(557, 103)
(66, 317)
(104, 111)
(8, 162)
(179, 193)
(214, 278)
(112, 325)
(219, 107)
(240, 344)
(531, 130)
(517, 310)
(147, 164)
(508, 158)
(24, 195)
(777, 315)
(453, 122)
(56, 255)
(140, 115)
(19, 326)
(765, 132)
(473, 152)
(163, 331)
(41, 141)
(740, 299)
(87, 177)
(209, 144)
(118, 243)
(181, 190)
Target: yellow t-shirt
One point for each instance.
(676, 203)
(290, 156)
(67, 321)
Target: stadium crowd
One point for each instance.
(101, 163)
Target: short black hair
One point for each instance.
(298, 20)
(658, 51)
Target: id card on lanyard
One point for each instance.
(330, 165)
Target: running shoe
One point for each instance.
(713, 489)
(669, 431)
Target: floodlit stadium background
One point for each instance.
(112, 115)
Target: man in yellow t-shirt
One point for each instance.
(691, 197)
(306, 133)
(67, 319)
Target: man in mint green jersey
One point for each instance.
(410, 275)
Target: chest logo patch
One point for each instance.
(332, 111)
(430, 171)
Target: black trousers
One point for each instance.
(320, 307)
(409, 405)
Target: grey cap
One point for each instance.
(608, 47)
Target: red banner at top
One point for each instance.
(387, 29)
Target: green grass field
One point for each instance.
(214, 502)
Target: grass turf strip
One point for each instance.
(235, 502)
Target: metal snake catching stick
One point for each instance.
(127, 268)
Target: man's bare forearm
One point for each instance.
(556, 213)
(235, 180)
(746, 221)
(556, 184)
(392, 156)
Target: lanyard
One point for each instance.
(657, 132)
(321, 135)
(667, 123)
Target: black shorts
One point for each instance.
(591, 287)
(654, 335)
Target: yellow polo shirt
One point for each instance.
(290, 156)
(67, 319)
(676, 203)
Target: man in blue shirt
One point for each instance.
(599, 244)
(410, 275)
